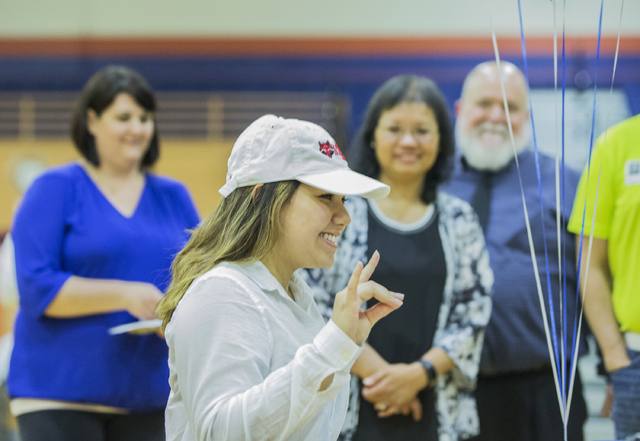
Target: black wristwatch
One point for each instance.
(430, 370)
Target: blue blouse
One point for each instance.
(65, 226)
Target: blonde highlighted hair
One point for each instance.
(242, 229)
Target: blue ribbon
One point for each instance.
(538, 175)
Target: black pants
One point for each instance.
(73, 425)
(524, 407)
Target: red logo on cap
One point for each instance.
(328, 149)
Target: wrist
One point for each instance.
(419, 376)
(368, 363)
(430, 372)
(127, 291)
(615, 357)
(612, 364)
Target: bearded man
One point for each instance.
(516, 394)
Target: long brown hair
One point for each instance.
(242, 229)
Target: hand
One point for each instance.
(413, 408)
(607, 406)
(141, 300)
(395, 385)
(346, 310)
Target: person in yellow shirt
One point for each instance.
(611, 295)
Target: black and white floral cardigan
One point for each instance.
(463, 315)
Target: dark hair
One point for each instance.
(98, 94)
(400, 89)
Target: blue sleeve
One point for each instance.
(191, 214)
(38, 232)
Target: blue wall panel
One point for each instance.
(356, 78)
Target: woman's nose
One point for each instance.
(341, 215)
(407, 138)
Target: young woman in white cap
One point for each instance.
(250, 356)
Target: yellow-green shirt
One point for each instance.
(617, 214)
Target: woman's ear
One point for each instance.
(92, 118)
(254, 193)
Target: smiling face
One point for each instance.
(310, 226)
(122, 132)
(482, 132)
(406, 141)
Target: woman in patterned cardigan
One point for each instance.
(416, 376)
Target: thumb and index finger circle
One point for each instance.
(370, 267)
(361, 274)
(352, 286)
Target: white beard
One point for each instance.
(493, 157)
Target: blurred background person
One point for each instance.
(516, 393)
(94, 241)
(612, 304)
(8, 307)
(9, 304)
(419, 366)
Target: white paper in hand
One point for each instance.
(139, 328)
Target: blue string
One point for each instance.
(569, 366)
(593, 123)
(562, 182)
(542, 211)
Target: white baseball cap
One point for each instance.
(276, 149)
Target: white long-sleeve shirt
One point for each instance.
(246, 361)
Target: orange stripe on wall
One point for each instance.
(298, 47)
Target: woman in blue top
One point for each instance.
(94, 240)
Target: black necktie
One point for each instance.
(481, 200)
